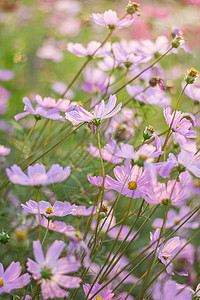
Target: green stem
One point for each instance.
(85, 64)
(18, 157)
(46, 232)
(143, 71)
(139, 280)
(39, 215)
(170, 127)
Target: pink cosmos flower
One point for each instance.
(161, 45)
(181, 123)
(57, 226)
(94, 151)
(193, 90)
(167, 289)
(48, 102)
(121, 125)
(127, 59)
(60, 87)
(6, 75)
(4, 150)
(109, 19)
(144, 153)
(76, 248)
(96, 180)
(131, 181)
(80, 210)
(189, 160)
(37, 175)
(59, 209)
(101, 111)
(50, 51)
(50, 271)
(81, 51)
(174, 219)
(173, 191)
(39, 111)
(11, 279)
(152, 96)
(166, 251)
(104, 294)
(95, 80)
(4, 97)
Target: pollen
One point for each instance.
(177, 126)
(132, 185)
(49, 210)
(98, 298)
(1, 282)
(54, 226)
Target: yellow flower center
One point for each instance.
(78, 235)
(176, 221)
(143, 157)
(21, 235)
(132, 185)
(98, 298)
(49, 210)
(54, 226)
(1, 282)
(177, 126)
(196, 182)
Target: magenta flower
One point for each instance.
(168, 289)
(4, 97)
(57, 226)
(48, 102)
(6, 75)
(37, 175)
(59, 209)
(98, 181)
(81, 51)
(181, 123)
(39, 111)
(160, 46)
(4, 150)
(11, 279)
(174, 219)
(152, 96)
(126, 59)
(173, 191)
(189, 160)
(94, 151)
(131, 182)
(101, 111)
(144, 153)
(50, 271)
(80, 210)
(109, 19)
(121, 125)
(104, 294)
(193, 90)
(166, 251)
(95, 80)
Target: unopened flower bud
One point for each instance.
(177, 42)
(133, 8)
(148, 132)
(104, 209)
(4, 238)
(192, 75)
(154, 81)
